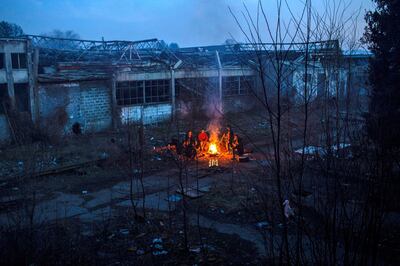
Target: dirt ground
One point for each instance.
(79, 190)
(81, 201)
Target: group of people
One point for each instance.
(229, 142)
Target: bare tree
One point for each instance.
(317, 39)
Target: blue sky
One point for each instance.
(187, 22)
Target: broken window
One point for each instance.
(3, 97)
(157, 90)
(247, 84)
(196, 86)
(21, 91)
(129, 92)
(2, 60)
(18, 60)
(230, 85)
(237, 85)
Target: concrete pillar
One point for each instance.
(219, 76)
(115, 116)
(31, 80)
(36, 87)
(10, 78)
(220, 84)
(173, 94)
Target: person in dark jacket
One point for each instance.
(237, 146)
(189, 145)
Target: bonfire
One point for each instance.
(213, 155)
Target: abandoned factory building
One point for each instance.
(102, 85)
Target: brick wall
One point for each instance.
(87, 103)
(95, 102)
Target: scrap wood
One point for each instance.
(66, 168)
(57, 170)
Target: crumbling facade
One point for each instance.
(17, 81)
(101, 85)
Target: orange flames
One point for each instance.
(213, 128)
(213, 148)
(213, 158)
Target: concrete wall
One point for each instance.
(18, 75)
(86, 103)
(152, 113)
(181, 73)
(14, 45)
(90, 104)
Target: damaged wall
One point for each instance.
(86, 103)
(16, 82)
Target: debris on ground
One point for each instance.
(195, 250)
(158, 247)
(140, 252)
(263, 225)
(204, 189)
(156, 158)
(174, 198)
(124, 231)
(190, 193)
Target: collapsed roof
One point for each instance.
(75, 59)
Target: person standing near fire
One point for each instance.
(189, 145)
(227, 138)
(237, 146)
(203, 140)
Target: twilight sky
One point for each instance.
(187, 22)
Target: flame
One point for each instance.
(213, 148)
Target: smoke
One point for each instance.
(211, 22)
(214, 110)
(185, 108)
